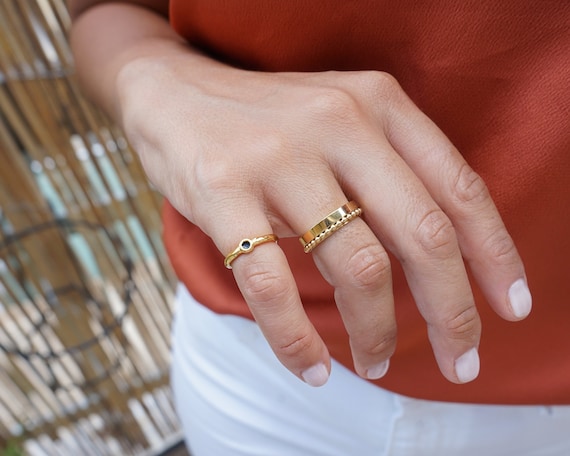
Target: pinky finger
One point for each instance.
(268, 286)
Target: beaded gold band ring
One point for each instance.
(247, 246)
(331, 223)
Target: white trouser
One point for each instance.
(235, 399)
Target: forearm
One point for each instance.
(107, 37)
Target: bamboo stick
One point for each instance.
(47, 177)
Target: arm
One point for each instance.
(229, 143)
(107, 35)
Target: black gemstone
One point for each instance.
(245, 244)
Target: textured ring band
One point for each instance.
(331, 223)
(247, 246)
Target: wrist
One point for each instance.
(163, 71)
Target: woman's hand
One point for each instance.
(242, 154)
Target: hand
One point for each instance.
(243, 154)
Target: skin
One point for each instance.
(228, 144)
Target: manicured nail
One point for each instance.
(520, 298)
(467, 366)
(316, 375)
(378, 371)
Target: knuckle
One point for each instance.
(383, 88)
(501, 247)
(296, 346)
(213, 185)
(368, 267)
(376, 348)
(381, 83)
(435, 234)
(334, 105)
(262, 286)
(463, 325)
(212, 175)
(469, 187)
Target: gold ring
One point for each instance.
(331, 223)
(247, 246)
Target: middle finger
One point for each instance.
(354, 262)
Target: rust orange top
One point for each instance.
(495, 76)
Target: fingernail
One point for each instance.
(520, 298)
(316, 375)
(467, 366)
(378, 371)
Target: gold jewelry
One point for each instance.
(247, 246)
(331, 223)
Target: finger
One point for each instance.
(409, 222)
(267, 284)
(461, 193)
(358, 267)
(354, 262)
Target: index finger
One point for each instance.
(462, 194)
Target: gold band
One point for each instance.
(331, 223)
(247, 246)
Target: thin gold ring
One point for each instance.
(247, 246)
(331, 223)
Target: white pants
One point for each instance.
(235, 399)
